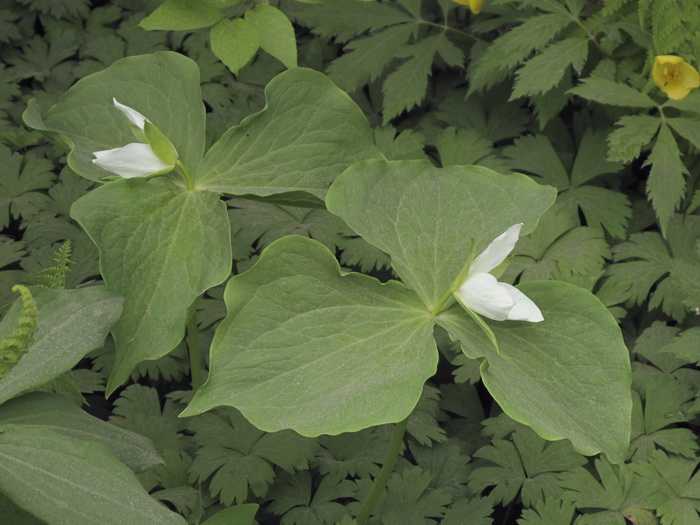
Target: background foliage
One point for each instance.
(556, 89)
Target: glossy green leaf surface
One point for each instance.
(70, 323)
(56, 413)
(160, 248)
(307, 134)
(425, 217)
(307, 348)
(65, 480)
(566, 377)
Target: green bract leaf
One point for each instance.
(296, 326)
(558, 375)
(163, 86)
(70, 324)
(160, 248)
(425, 217)
(65, 480)
(308, 133)
(276, 33)
(180, 15)
(235, 42)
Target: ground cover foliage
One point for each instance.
(341, 162)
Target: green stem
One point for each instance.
(392, 454)
(185, 174)
(193, 347)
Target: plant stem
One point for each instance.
(381, 481)
(185, 175)
(193, 348)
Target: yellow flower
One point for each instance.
(474, 5)
(674, 76)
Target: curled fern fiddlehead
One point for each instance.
(15, 345)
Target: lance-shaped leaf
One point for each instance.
(163, 86)
(70, 323)
(65, 480)
(307, 134)
(307, 348)
(57, 413)
(566, 377)
(425, 218)
(160, 248)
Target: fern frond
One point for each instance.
(15, 345)
(54, 277)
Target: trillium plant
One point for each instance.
(350, 262)
(306, 345)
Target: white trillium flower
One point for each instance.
(135, 159)
(483, 294)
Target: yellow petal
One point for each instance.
(689, 76)
(676, 91)
(476, 5)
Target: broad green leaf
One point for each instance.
(297, 326)
(608, 92)
(666, 183)
(65, 480)
(560, 375)
(235, 42)
(276, 33)
(56, 413)
(71, 323)
(634, 132)
(162, 86)
(180, 15)
(425, 217)
(308, 133)
(545, 70)
(160, 247)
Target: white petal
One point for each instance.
(132, 160)
(133, 115)
(523, 309)
(483, 294)
(496, 252)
